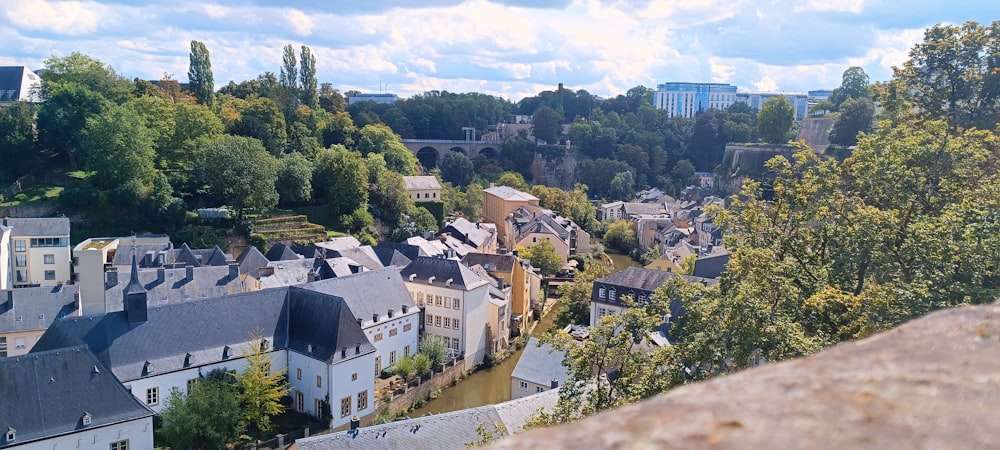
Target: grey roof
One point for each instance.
(13, 86)
(393, 255)
(288, 273)
(251, 260)
(442, 270)
(410, 251)
(509, 193)
(472, 233)
(29, 309)
(451, 430)
(540, 364)
(325, 322)
(364, 255)
(282, 252)
(171, 285)
(491, 262)
(148, 255)
(643, 208)
(46, 394)
(360, 293)
(38, 226)
(646, 279)
(421, 182)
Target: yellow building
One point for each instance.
(499, 202)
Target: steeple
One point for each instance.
(134, 296)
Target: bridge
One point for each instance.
(431, 151)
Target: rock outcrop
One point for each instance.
(932, 383)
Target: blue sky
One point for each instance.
(510, 48)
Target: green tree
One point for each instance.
(456, 168)
(432, 348)
(381, 139)
(622, 186)
(240, 172)
(775, 119)
(288, 77)
(620, 235)
(294, 182)
(682, 172)
(341, 176)
(62, 117)
(854, 85)
(117, 145)
(574, 297)
(856, 116)
(310, 94)
(546, 125)
(543, 256)
(261, 388)
(487, 436)
(403, 368)
(514, 180)
(207, 417)
(260, 118)
(422, 364)
(89, 73)
(390, 196)
(17, 137)
(200, 78)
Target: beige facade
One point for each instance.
(92, 257)
(423, 188)
(39, 251)
(499, 202)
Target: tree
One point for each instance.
(17, 138)
(514, 180)
(200, 78)
(456, 168)
(432, 347)
(856, 116)
(331, 99)
(403, 368)
(62, 117)
(381, 139)
(620, 235)
(422, 364)
(288, 77)
(117, 145)
(341, 177)
(294, 182)
(207, 416)
(543, 256)
(260, 118)
(854, 85)
(240, 172)
(261, 388)
(574, 297)
(390, 196)
(310, 95)
(546, 125)
(89, 73)
(622, 186)
(775, 119)
(468, 203)
(682, 172)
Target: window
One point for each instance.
(21, 276)
(437, 300)
(120, 445)
(318, 408)
(524, 385)
(430, 320)
(3, 346)
(406, 351)
(393, 332)
(354, 376)
(19, 246)
(378, 337)
(601, 292)
(601, 312)
(437, 321)
(191, 383)
(392, 357)
(454, 343)
(345, 406)
(21, 260)
(153, 396)
(539, 389)
(362, 400)
(447, 342)
(456, 304)
(378, 366)
(300, 401)
(19, 343)
(454, 324)
(420, 299)
(49, 259)
(49, 242)
(87, 419)
(50, 275)
(611, 293)
(319, 381)
(407, 327)
(447, 322)
(298, 374)
(642, 299)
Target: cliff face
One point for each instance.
(557, 170)
(931, 383)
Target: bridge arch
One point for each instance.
(428, 157)
(461, 150)
(489, 152)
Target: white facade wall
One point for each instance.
(473, 315)
(303, 372)
(519, 390)
(179, 379)
(344, 385)
(6, 261)
(138, 434)
(394, 337)
(88, 265)
(598, 310)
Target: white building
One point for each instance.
(38, 250)
(423, 188)
(19, 84)
(455, 305)
(538, 370)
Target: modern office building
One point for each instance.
(387, 99)
(687, 99)
(798, 100)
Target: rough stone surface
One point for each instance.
(933, 383)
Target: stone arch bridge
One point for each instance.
(431, 151)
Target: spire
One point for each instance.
(134, 285)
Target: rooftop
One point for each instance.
(509, 193)
(540, 364)
(421, 183)
(38, 226)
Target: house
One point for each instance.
(446, 431)
(38, 250)
(540, 369)
(388, 315)
(67, 398)
(499, 202)
(481, 237)
(315, 336)
(520, 276)
(610, 211)
(25, 313)
(19, 84)
(423, 188)
(635, 282)
(498, 317)
(528, 226)
(455, 303)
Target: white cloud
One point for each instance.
(721, 73)
(849, 6)
(67, 18)
(300, 23)
(765, 83)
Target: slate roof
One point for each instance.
(16, 84)
(361, 295)
(282, 252)
(46, 394)
(509, 193)
(392, 255)
(451, 430)
(288, 273)
(148, 255)
(427, 248)
(491, 262)
(421, 183)
(540, 365)
(327, 323)
(251, 260)
(39, 226)
(473, 233)
(643, 208)
(646, 279)
(175, 286)
(442, 270)
(36, 307)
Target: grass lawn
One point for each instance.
(34, 195)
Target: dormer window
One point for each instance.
(86, 419)
(147, 368)
(11, 434)
(225, 352)
(263, 345)
(611, 293)
(601, 292)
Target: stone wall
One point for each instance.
(438, 381)
(555, 170)
(930, 383)
(749, 159)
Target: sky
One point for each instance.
(508, 48)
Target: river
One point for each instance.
(484, 387)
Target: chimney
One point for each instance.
(360, 321)
(478, 224)
(554, 384)
(390, 313)
(374, 317)
(160, 274)
(76, 301)
(309, 348)
(112, 276)
(343, 352)
(189, 273)
(234, 270)
(355, 423)
(357, 349)
(405, 309)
